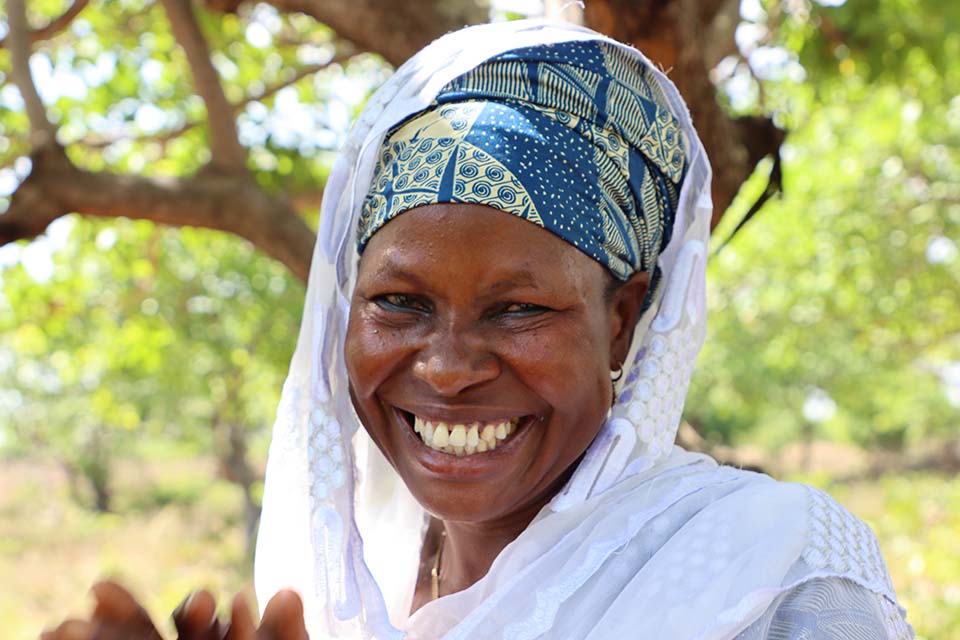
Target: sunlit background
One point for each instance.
(140, 365)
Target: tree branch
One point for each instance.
(56, 25)
(232, 203)
(42, 131)
(224, 142)
(166, 136)
(396, 31)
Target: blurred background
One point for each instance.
(161, 169)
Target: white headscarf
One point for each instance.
(646, 540)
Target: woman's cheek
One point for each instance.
(366, 353)
(558, 365)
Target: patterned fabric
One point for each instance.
(830, 609)
(572, 137)
(842, 543)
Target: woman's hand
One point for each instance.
(282, 619)
(118, 616)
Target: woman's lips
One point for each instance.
(450, 465)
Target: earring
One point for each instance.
(618, 374)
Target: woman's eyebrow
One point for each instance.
(394, 270)
(517, 280)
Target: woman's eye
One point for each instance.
(523, 309)
(401, 302)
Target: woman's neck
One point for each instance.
(466, 550)
(469, 549)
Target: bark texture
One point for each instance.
(395, 30)
(53, 27)
(226, 201)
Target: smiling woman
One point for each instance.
(519, 217)
(483, 374)
(521, 214)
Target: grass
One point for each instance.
(51, 550)
(179, 531)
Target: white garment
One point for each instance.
(830, 609)
(646, 540)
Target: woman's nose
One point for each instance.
(452, 363)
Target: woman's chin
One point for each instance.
(467, 476)
(457, 506)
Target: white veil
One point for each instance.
(340, 527)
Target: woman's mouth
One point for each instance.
(464, 439)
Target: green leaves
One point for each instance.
(849, 284)
(143, 332)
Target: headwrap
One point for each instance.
(645, 540)
(573, 137)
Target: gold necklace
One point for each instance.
(435, 572)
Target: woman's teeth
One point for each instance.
(463, 439)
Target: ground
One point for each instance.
(176, 530)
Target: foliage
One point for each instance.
(836, 313)
(112, 332)
(143, 332)
(118, 86)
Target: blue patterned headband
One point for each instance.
(573, 137)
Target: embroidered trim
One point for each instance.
(842, 543)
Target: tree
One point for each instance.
(226, 190)
(221, 193)
(187, 341)
(838, 314)
(174, 113)
(225, 115)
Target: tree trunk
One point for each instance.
(101, 494)
(231, 447)
(395, 30)
(95, 467)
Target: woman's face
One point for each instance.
(470, 321)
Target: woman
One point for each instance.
(519, 217)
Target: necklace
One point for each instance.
(435, 572)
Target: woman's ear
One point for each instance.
(625, 306)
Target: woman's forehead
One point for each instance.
(475, 246)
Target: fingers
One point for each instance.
(196, 617)
(242, 626)
(118, 614)
(70, 630)
(283, 618)
(113, 601)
